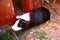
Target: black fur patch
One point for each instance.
(37, 16)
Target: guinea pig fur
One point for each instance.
(37, 17)
(28, 20)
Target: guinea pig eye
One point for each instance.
(20, 25)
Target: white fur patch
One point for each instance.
(15, 26)
(24, 16)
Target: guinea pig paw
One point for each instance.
(47, 22)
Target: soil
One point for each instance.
(49, 30)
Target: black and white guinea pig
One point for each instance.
(35, 17)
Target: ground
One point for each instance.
(49, 30)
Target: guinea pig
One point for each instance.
(35, 17)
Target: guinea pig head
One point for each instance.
(23, 23)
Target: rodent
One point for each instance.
(37, 16)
